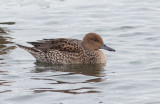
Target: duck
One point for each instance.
(69, 51)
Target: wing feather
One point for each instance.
(61, 44)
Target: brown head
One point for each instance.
(93, 41)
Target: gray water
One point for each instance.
(132, 73)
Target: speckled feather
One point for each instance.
(64, 51)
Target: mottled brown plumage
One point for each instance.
(69, 51)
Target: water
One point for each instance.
(132, 73)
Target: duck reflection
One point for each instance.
(4, 82)
(5, 39)
(71, 91)
(94, 70)
(85, 69)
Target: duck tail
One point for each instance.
(29, 49)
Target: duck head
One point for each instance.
(93, 41)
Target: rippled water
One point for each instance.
(132, 73)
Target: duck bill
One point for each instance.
(107, 48)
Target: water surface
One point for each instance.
(132, 73)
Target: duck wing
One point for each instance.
(61, 44)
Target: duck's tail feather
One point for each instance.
(29, 49)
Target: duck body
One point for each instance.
(67, 51)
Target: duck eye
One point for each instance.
(95, 40)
